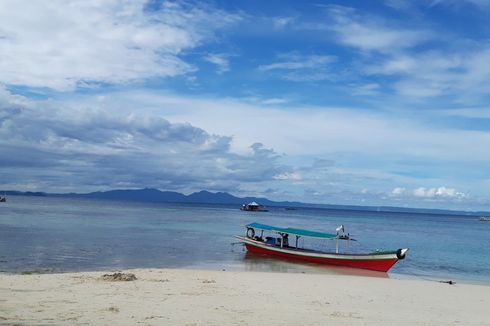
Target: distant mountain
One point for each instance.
(144, 195)
(213, 198)
(207, 197)
(21, 193)
(157, 196)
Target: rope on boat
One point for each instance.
(237, 243)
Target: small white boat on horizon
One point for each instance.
(485, 218)
(253, 207)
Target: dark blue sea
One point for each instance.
(46, 234)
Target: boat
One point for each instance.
(253, 207)
(277, 245)
(485, 218)
(3, 199)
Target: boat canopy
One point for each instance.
(298, 232)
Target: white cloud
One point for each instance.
(282, 22)
(457, 67)
(220, 60)
(274, 101)
(451, 66)
(473, 113)
(462, 73)
(399, 4)
(441, 192)
(481, 4)
(288, 176)
(59, 44)
(429, 193)
(296, 67)
(369, 33)
(407, 5)
(366, 90)
(295, 61)
(398, 191)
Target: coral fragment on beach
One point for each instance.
(117, 277)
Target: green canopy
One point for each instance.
(299, 232)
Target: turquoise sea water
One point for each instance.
(43, 234)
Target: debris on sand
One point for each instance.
(113, 309)
(448, 282)
(117, 277)
(208, 281)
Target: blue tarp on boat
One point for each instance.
(299, 232)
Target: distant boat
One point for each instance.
(278, 245)
(253, 207)
(4, 198)
(484, 218)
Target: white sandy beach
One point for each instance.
(198, 297)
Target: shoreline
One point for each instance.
(210, 297)
(306, 269)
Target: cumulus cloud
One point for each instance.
(398, 191)
(429, 193)
(62, 148)
(441, 192)
(289, 176)
(62, 45)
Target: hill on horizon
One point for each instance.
(206, 197)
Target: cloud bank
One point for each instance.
(50, 147)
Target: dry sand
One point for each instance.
(196, 297)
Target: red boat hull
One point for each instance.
(381, 265)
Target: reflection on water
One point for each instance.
(262, 263)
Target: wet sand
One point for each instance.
(199, 297)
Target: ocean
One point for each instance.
(48, 234)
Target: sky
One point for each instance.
(335, 102)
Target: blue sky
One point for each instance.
(341, 102)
